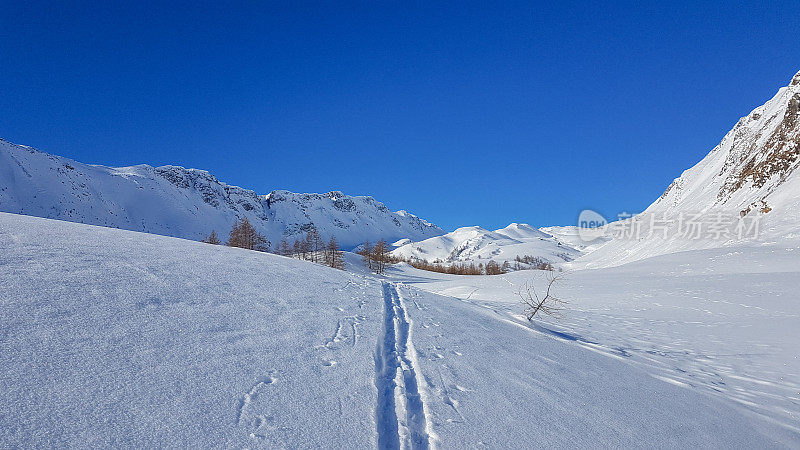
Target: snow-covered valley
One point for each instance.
(119, 329)
(118, 338)
(719, 321)
(400, 226)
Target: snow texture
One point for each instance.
(113, 338)
(718, 321)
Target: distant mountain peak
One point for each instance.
(477, 244)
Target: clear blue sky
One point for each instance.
(461, 113)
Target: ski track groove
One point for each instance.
(400, 415)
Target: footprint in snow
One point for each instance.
(242, 414)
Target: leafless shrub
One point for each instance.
(546, 302)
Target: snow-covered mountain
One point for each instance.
(749, 181)
(186, 203)
(478, 244)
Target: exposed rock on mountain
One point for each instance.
(187, 203)
(750, 180)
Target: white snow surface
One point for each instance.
(570, 235)
(752, 172)
(723, 322)
(114, 338)
(187, 203)
(476, 244)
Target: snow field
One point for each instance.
(113, 338)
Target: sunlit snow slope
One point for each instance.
(124, 339)
(724, 321)
(476, 244)
(752, 173)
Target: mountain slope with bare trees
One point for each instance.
(188, 203)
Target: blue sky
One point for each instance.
(463, 113)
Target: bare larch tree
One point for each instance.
(212, 238)
(366, 254)
(380, 256)
(243, 235)
(284, 249)
(333, 256)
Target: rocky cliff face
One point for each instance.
(750, 176)
(754, 159)
(186, 203)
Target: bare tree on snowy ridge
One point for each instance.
(283, 248)
(380, 256)
(366, 254)
(314, 244)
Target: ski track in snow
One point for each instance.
(401, 417)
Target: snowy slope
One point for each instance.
(522, 232)
(752, 174)
(186, 203)
(477, 244)
(121, 339)
(570, 235)
(720, 321)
